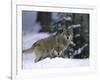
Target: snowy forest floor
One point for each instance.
(28, 59)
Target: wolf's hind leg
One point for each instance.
(37, 59)
(38, 56)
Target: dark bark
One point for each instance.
(45, 20)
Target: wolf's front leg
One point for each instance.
(62, 54)
(51, 54)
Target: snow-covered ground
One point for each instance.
(28, 59)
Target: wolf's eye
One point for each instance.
(67, 37)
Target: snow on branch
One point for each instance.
(75, 26)
(77, 35)
(72, 43)
(67, 18)
(79, 50)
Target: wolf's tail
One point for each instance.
(30, 50)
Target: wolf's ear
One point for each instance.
(70, 30)
(64, 29)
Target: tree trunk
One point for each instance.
(45, 20)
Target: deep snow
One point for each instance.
(28, 59)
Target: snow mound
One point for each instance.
(28, 63)
(28, 59)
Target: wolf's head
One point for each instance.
(68, 33)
